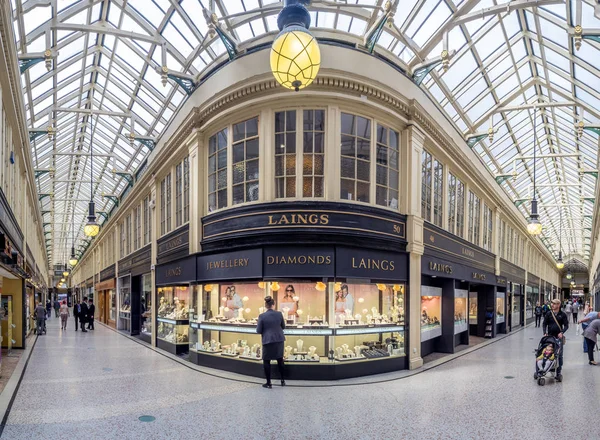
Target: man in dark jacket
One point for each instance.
(76, 312)
(83, 314)
(40, 317)
(56, 308)
(556, 324)
(91, 310)
(538, 315)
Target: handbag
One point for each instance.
(564, 338)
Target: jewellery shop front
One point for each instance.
(338, 273)
(135, 297)
(106, 297)
(460, 294)
(515, 298)
(532, 296)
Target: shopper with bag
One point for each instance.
(585, 321)
(569, 310)
(575, 310)
(591, 337)
(556, 324)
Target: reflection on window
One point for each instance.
(438, 193)
(356, 158)
(217, 171)
(285, 154)
(474, 218)
(146, 215)
(245, 161)
(186, 190)
(178, 194)
(388, 176)
(426, 173)
(487, 228)
(313, 162)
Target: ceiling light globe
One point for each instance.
(560, 265)
(295, 58)
(65, 273)
(534, 227)
(91, 229)
(73, 261)
(569, 275)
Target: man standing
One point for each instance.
(91, 310)
(569, 310)
(56, 308)
(48, 308)
(83, 314)
(40, 316)
(575, 309)
(76, 312)
(556, 324)
(538, 315)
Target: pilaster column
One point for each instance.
(154, 233)
(412, 149)
(196, 195)
(496, 237)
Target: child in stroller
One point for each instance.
(546, 359)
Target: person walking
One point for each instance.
(538, 314)
(64, 315)
(569, 310)
(585, 321)
(91, 310)
(270, 326)
(545, 308)
(556, 324)
(76, 312)
(48, 309)
(83, 314)
(56, 308)
(40, 317)
(591, 337)
(575, 309)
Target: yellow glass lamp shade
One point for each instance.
(65, 273)
(295, 58)
(62, 280)
(275, 286)
(91, 229)
(534, 227)
(337, 287)
(261, 284)
(320, 286)
(569, 276)
(208, 287)
(381, 286)
(73, 261)
(560, 265)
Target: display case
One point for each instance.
(500, 304)
(327, 323)
(124, 286)
(112, 314)
(460, 311)
(172, 316)
(431, 312)
(473, 308)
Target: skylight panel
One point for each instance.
(490, 42)
(553, 32)
(459, 70)
(36, 17)
(481, 107)
(258, 27)
(429, 25)
(184, 29)
(244, 32)
(193, 10)
(149, 11)
(404, 12)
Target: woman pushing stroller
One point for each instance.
(555, 325)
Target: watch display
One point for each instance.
(460, 311)
(173, 302)
(431, 312)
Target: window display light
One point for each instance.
(295, 53)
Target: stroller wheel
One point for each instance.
(535, 376)
(541, 381)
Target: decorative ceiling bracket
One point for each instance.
(147, 141)
(593, 173)
(500, 178)
(46, 212)
(374, 33)
(42, 196)
(31, 59)
(124, 174)
(593, 128)
(187, 84)
(36, 133)
(40, 172)
(230, 43)
(474, 139)
(112, 198)
(519, 202)
(102, 214)
(589, 199)
(420, 74)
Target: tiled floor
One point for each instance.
(96, 385)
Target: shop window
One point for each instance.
(426, 184)
(146, 305)
(245, 184)
(438, 193)
(285, 154)
(431, 312)
(178, 194)
(388, 175)
(356, 158)
(217, 171)
(313, 161)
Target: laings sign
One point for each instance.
(299, 219)
(174, 272)
(439, 267)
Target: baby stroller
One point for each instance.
(547, 366)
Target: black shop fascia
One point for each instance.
(330, 267)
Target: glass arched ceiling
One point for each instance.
(505, 56)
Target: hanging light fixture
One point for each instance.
(534, 227)
(295, 53)
(92, 228)
(73, 260)
(66, 273)
(559, 263)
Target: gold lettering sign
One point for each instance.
(299, 259)
(299, 219)
(171, 244)
(468, 252)
(227, 264)
(175, 272)
(478, 276)
(500, 281)
(439, 267)
(373, 264)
